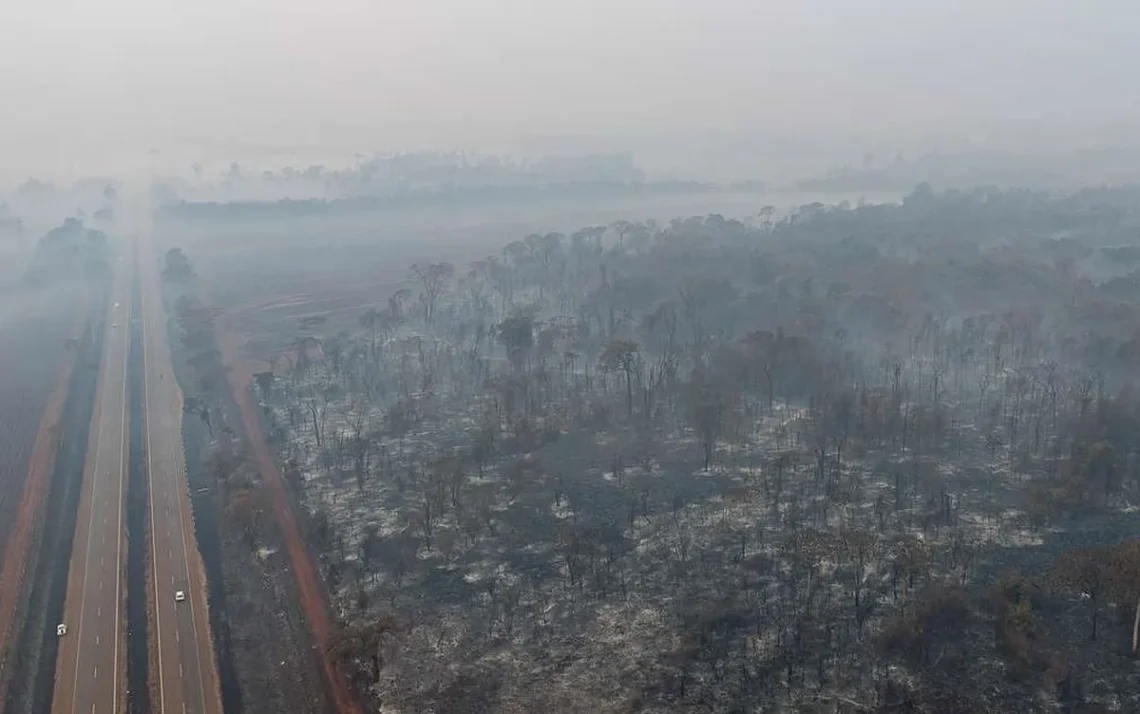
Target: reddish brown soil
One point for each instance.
(308, 585)
(35, 488)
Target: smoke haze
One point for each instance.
(688, 86)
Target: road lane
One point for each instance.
(90, 667)
(187, 674)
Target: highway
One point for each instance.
(91, 664)
(187, 679)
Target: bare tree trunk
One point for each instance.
(629, 394)
(316, 425)
(1136, 631)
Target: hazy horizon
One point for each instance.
(716, 89)
(605, 356)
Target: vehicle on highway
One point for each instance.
(60, 630)
(179, 596)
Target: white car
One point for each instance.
(60, 630)
(179, 596)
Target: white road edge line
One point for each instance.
(90, 520)
(181, 487)
(150, 482)
(123, 436)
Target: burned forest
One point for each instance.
(851, 458)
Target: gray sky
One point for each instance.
(91, 85)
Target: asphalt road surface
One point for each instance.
(187, 678)
(91, 664)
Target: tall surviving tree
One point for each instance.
(700, 297)
(858, 548)
(623, 356)
(707, 412)
(371, 320)
(516, 333)
(1086, 572)
(544, 251)
(621, 228)
(434, 279)
(764, 349)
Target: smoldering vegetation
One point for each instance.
(39, 301)
(34, 333)
(269, 268)
(44, 299)
(843, 459)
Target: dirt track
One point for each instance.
(308, 584)
(35, 488)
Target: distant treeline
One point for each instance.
(1057, 170)
(442, 197)
(69, 251)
